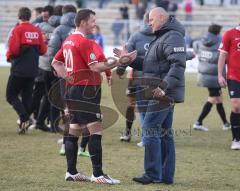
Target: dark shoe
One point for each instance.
(167, 182)
(23, 127)
(43, 128)
(142, 179)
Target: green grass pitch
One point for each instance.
(204, 161)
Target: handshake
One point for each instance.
(123, 57)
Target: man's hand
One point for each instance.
(127, 58)
(119, 52)
(158, 93)
(222, 82)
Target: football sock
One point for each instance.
(129, 119)
(221, 112)
(95, 150)
(235, 125)
(206, 109)
(71, 149)
(84, 143)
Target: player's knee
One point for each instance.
(95, 128)
(235, 105)
(78, 130)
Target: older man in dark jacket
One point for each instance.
(165, 60)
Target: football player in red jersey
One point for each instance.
(80, 61)
(230, 54)
(25, 45)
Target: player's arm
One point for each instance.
(13, 46)
(59, 68)
(224, 48)
(221, 65)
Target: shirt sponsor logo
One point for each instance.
(206, 54)
(92, 56)
(31, 35)
(179, 49)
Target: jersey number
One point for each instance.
(67, 53)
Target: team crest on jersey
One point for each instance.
(92, 56)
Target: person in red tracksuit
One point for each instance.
(25, 45)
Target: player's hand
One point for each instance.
(158, 93)
(222, 82)
(69, 79)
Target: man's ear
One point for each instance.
(162, 18)
(82, 23)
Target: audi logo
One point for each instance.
(31, 35)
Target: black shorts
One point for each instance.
(233, 88)
(214, 92)
(85, 107)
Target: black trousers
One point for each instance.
(46, 107)
(20, 87)
(38, 95)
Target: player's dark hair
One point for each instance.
(58, 10)
(48, 9)
(215, 29)
(83, 15)
(24, 14)
(38, 9)
(68, 9)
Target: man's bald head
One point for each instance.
(157, 18)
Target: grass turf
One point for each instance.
(204, 159)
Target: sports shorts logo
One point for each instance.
(232, 93)
(92, 56)
(31, 35)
